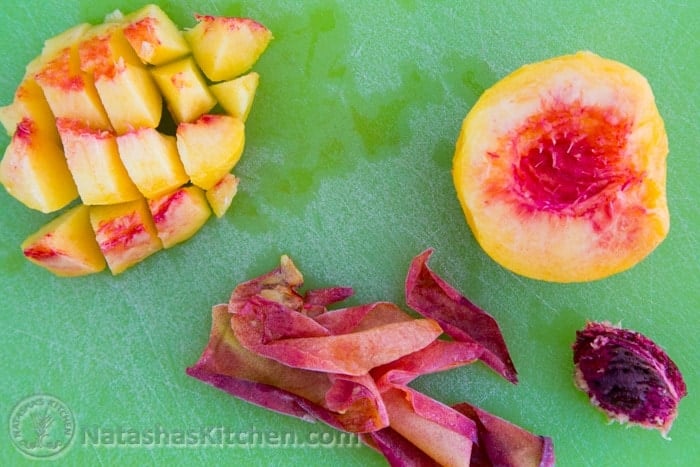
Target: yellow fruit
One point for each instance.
(68, 38)
(152, 162)
(131, 99)
(69, 91)
(561, 169)
(93, 159)
(210, 147)
(154, 36)
(66, 246)
(179, 215)
(29, 102)
(126, 89)
(236, 96)
(85, 121)
(184, 89)
(220, 196)
(125, 233)
(34, 169)
(226, 47)
(103, 47)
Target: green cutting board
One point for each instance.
(347, 169)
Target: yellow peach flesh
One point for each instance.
(524, 148)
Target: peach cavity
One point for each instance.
(560, 169)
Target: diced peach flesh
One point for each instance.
(125, 233)
(179, 215)
(184, 89)
(131, 98)
(152, 162)
(104, 49)
(154, 36)
(236, 96)
(210, 147)
(66, 246)
(34, 169)
(29, 102)
(93, 159)
(221, 195)
(71, 92)
(226, 47)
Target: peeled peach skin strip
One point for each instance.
(225, 364)
(397, 450)
(439, 431)
(461, 319)
(503, 443)
(260, 323)
(440, 355)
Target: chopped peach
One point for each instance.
(68, 38)
(34, 169)
(152, 161)
(236, 95)
(226, 47)
(561, 169)
(154, 36)
(69, 91)
(184, 89)
(220, 196)
(66, 246)
(126, 89)
(29, 102)
(130, 98)
(93, 159)
(179, 215)
(125, 233)
(210, 147)
(104, 47)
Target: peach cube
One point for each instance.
(66, 246)
(236, 95)
(154, 36)
(34, 169)
(93, 159)
(180, 214)
(104, 47)
(70, 91)
(131, 98)
(220, 196)
(210, 147)
(184, 89)
(152, 161)
(68, 38)
(226, 47)
(126, 89)
(125, 233)
(29, 102)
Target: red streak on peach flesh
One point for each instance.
(40, 252)
(96, 53)
(59, 73)
(24, 130)
(232, 23)
(143, 31)
(164, 206)
(208, 119)
(80, 129)
(568, 154)
(120, 232)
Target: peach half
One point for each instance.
(560, 169)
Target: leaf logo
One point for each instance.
(42, 426)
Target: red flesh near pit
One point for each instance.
(569, 153)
